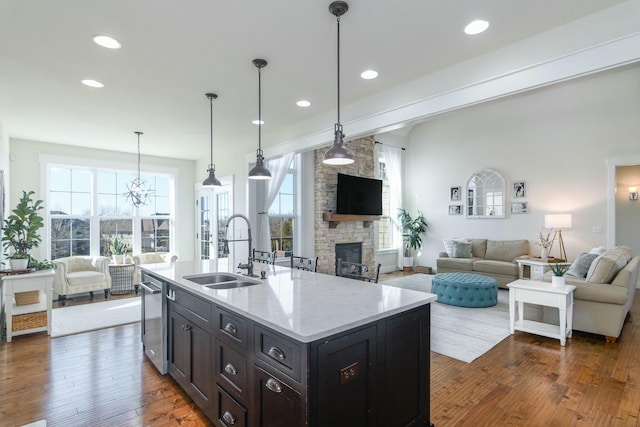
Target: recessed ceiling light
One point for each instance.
(476, 27)
(303, 103)
(258, 122)
(369, 74)
(106, 41)
(92, 83)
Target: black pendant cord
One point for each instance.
(260, 110)
(338, 71)
(211, 129)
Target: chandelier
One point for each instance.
(139, 191)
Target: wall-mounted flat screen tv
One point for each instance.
(358, 195)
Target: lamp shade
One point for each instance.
(559, 221)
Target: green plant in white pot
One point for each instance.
(118, 249)
(412, 230)
(20, 231)
(558, 280)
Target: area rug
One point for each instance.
(459, 332)
(99, 315)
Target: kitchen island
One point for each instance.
(297, 348)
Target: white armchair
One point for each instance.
(151, 258)
(80, 274)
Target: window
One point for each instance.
(282, 215)
(224, 212)
(87, 209)
(385, 224)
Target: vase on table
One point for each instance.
(544, 254)
(557, 281)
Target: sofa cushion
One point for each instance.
(506, 250)
(461, 249)
(479, 248)
(495, 267)
(580, 266)
(462, 264)
(81, 278)
(605, 267)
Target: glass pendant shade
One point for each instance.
(211, 180)
(338, 154)
(259, 171)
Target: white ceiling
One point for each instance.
(174, 52)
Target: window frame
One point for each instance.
(47, 162)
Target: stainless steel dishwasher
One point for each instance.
(154, 321)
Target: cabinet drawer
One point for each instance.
(231, 328)
(280, 352)
(230, 412)
(199, 310)
(231, 368)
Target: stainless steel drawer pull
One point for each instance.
(231, 329)
(230, 369)
(228, 418)
(276, 353)
(274, 385)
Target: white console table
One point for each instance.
(532, 268)
(534, 292)
(12, 284)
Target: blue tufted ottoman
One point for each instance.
(465, 289)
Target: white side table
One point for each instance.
(12, 284)
(532, 268)
(541, 293)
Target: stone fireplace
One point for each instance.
(351, 252)
(344, 232)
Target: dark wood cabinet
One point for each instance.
(242, 373)
(190, 361)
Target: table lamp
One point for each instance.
(558, 222)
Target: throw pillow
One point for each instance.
(461, 249)
(448, 247)
(605, 267)
(598, 250)
(580, 266)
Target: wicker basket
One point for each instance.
(25, 298)
(22, 322)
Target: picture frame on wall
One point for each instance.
(455, 209)
(519, 208)
(455, 194)
(519, 189)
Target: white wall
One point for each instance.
(25, 175)
(4, 166)
(557, 139)
(627, 211)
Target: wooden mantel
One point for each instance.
(334, 218)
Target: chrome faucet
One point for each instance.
(249, 265)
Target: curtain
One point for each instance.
(393, 160)
(279, 168)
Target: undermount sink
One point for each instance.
(222, 280)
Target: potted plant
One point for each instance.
(412, 229)
(557, 280)
(118, 249)
(20, 231)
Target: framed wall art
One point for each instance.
(519, 189)
(455, 209)
(455, 194)
(520, 207)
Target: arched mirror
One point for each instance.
(485, 194)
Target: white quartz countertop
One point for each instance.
(302, 305)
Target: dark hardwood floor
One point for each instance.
(102, 379)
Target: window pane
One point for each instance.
(107, 204)
(60, 179)
(80, 181)
(59, 203)
(110, 228)
(81, 204)
(155, 235)
(286, 204)
(69, 237)
(162, 206)
(162, 186)
(287, 184)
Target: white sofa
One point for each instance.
(603, 297)
(81, 274)
(151, 258)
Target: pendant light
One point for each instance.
(211, 179)
(338, 154)
(259, 171)
(139, 191)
